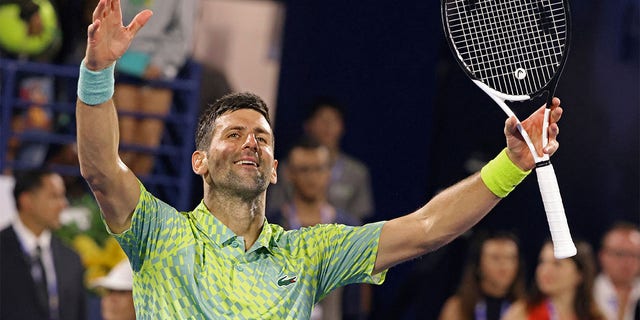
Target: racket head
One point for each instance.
(516, 48)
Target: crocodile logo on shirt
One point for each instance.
(285, 280)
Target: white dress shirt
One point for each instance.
(607, 298)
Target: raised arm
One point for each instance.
(114, 185)
(459, 207)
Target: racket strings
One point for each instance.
(513, 46)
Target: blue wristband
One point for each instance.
(95, 87)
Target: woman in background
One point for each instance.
(562, 289)
(492, 280)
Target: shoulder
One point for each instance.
(517, 311)
(7, 231)
(352, 163)
(451, 309)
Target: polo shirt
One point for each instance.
(188, 265)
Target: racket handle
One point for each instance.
(563, 246)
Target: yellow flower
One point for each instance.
(97, 260)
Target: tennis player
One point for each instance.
(223, 259)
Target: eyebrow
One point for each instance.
(244, 128)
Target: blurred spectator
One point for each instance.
(617, 287)
(117, 287)
(563, 288)
(308, 173)
(41, 278)
(493, 279)
(350, 184)
(158, 52)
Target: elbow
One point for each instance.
(98, 176)
(436, 234)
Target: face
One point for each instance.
(240, 157)
(118, 305)
(309, 172)
(554, 276)
(499, 263)
(41, 208)
(620, 256)
(326, 126)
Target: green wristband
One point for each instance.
(501, 175)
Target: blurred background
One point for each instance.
(412, 116)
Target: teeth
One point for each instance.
(248, 162)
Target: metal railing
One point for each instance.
(171, 178)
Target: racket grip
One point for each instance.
(563, 246)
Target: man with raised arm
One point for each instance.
(223, 259)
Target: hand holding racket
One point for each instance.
(515, 51)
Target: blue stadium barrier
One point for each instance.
(171, 178)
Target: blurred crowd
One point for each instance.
(45, 275)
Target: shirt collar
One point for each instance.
(221, 235)
(29, 240)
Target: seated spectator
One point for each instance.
(563, 288)
(350, 183)
(117, 299)
(617, 287)
(493, 279)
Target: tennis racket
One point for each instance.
(514, 50)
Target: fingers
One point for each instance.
(99, 10)
(553, 143)
(116, 9)
(511, 126)
(91, 30)
(139, 21)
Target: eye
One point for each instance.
(234, 135)
(262, 139)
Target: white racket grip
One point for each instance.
(563, 246)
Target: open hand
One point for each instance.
(517, 149)
(107, 38)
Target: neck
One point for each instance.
(563, 304)
(333, 153)
(245, 217)
(493, 290)
(34, 227)
(621, 286)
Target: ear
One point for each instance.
(274, 172)
(24, 201)
(199, 162)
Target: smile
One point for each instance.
(246, 162)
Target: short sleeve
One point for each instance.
(349, 255)
(152, 224)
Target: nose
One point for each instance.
(251, 142)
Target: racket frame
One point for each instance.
(547, 181)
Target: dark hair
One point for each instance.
(583, 304)
(469, 290)
(28, 180)
(228, 103)
(307, 143)
(324, 102)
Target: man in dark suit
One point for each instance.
(40, 278)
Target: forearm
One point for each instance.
(115, 187)
(97, 131)
(449, 214)
(454, 211)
